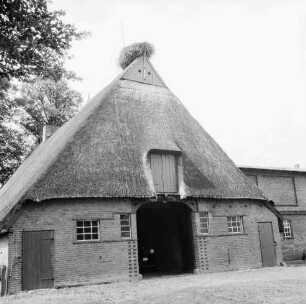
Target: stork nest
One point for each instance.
(133, 51)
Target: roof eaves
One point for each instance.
(220, 198)
(299, 170)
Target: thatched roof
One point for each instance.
(102, 152)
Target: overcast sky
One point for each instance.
(239, 67)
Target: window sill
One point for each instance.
(86, 241)
(103, 241)
(220, 235)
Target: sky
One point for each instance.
(238, 66)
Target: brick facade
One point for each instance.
(109, 259)
(287, 188)
(220, 250)
(113, 258)
(293, 248)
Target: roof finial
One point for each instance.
(131, 52)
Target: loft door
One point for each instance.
(164, 171)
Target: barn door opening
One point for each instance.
(267, 244)
(37, 259)
(165, 239)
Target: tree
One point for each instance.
(14, 145)
(34, 40)
(14, 148)
(45, 101)
(34, 44)
(42, 101)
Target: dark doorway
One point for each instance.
(165, 239)
(37, 247)
(267, 244)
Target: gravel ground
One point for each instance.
(266, 285)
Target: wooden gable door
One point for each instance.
(37, 259)
(267, 244)
(164, 171)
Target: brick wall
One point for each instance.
(300, 187)
(280, 189)
(15, 260)
(109, 259)
(294, 247)
(220, 250)
(286, 188)
(113, 258)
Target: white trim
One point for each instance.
(91, 233)
(235, 224)
(129, 230)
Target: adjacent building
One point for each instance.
(287, 188)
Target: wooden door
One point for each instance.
(37, 259)
(267, 244)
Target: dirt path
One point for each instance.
(268, 285)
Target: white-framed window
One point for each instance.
(204, 222)
(287, 229)
(125, 225)
(235, 224)
(87, 230)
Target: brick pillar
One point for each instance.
(133, 260)
(200, 246)
(15, 261)
(194, 218)
(133, 250)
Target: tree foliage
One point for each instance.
(34, 44)
(41, 101)
(45, 101)
(34, 40)
(13, 148)
(14, 145)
